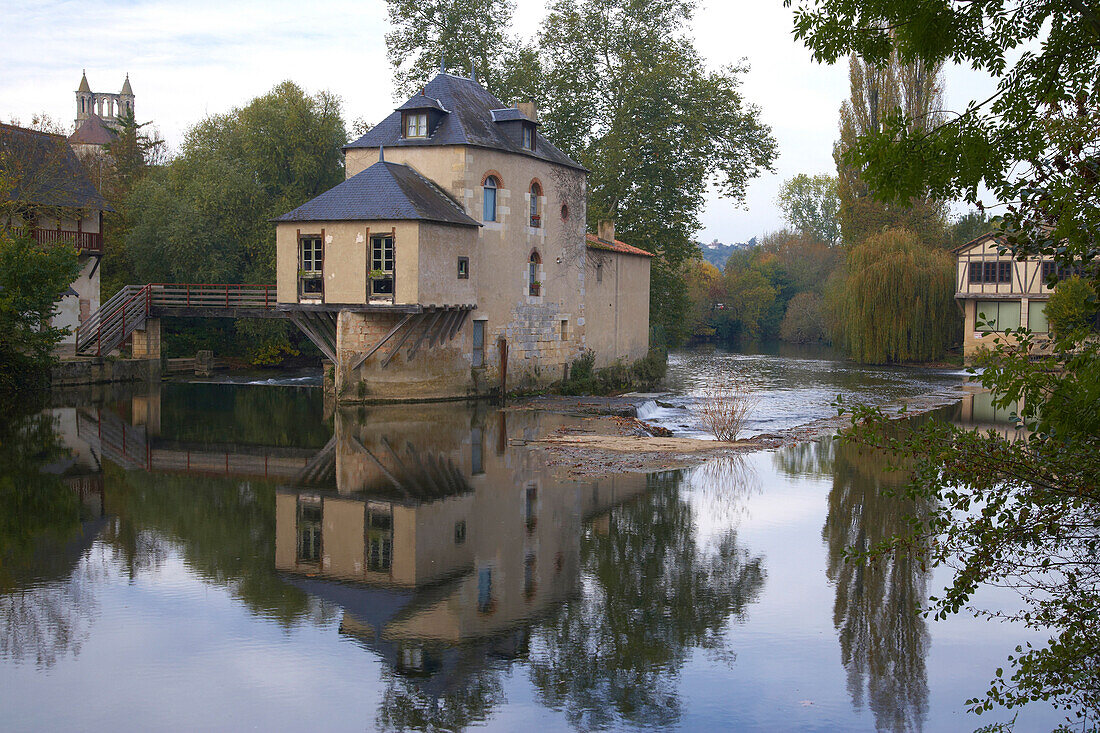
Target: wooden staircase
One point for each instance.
(110, 326)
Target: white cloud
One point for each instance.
(187, 60)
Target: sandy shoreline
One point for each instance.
(606, 438)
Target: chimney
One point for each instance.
(606, 229)
(529, 110)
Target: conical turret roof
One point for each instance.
(126, 89)
(84, 86)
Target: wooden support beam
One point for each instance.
(327, 348)
(427, 328)
(401, 341)
(359, 362)
(463, 314)
(444, 324)
(393, 479)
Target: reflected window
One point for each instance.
(379, 540)
(530, 507)
(529, 577)
(485, 590)
(309, 530)
(477, 451)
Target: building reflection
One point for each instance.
(441, 537)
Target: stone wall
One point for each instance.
(99, 369)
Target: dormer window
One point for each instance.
(528, 137)
(416, 124)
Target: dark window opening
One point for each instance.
(528, 136)
(489, 207)
(536, 192)
(460, 532)
(463, 268)
(534, 286)
(599, 272)
(479, 344)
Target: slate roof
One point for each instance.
(93, 131)
(385, 191)
(595, 242)
(46, 171)
(422, 101)
(469, 122)
(509, 115)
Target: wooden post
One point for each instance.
(502, 347)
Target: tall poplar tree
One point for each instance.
(879, 91)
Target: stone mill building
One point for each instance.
(454, 257)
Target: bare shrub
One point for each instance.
(725, 409)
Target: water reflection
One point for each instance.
(883, 639)
(448, 550)
(52, 510)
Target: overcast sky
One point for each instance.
(190, 59)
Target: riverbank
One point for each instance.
(607, 437)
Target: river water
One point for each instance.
(221, 556)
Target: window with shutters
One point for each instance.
(311, 274)
(381, 265)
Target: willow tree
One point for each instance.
(897, 302)
(878, 92)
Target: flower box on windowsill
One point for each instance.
(536, 222)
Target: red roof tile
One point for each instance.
(621, 247)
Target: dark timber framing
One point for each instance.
(436, 324)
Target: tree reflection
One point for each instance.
(651, 595)
(224, 528)
(406, 705)
(44, 613)
(883, 637)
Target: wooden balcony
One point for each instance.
(87, 243)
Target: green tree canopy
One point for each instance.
(1071, 310)
(32, 279)
(897, 302)
(811, 205)
(427, 35)
(206, 215)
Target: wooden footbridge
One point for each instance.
(132, 306)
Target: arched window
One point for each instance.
(534, 287)
(536, 192)
(489, 212)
